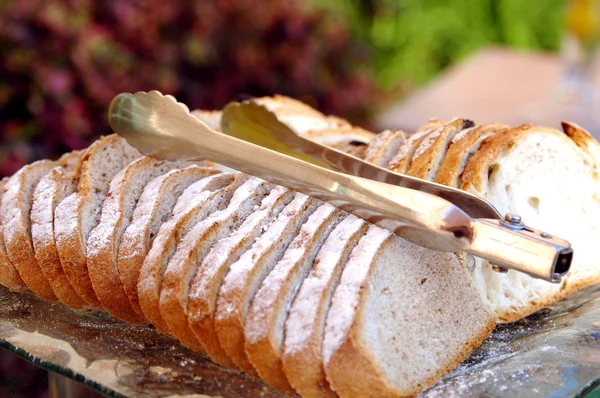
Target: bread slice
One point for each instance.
(79, 213)
(212, 270)
(401, 317)
(104, 240)
(463, 146)
(60, 182)
(153, 208)
(9, 276)
(199, 200)
(401, 161)
(246, 275)
(265, 323)
(432, 150)
(342, 139)
(583, 140)
(302, 353)
(193, 247)
(15, 212)
(384, 146)
(211, 118)
(521, 171)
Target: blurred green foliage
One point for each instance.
(412, 40)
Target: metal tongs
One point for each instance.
(425, 213)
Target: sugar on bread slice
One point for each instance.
(247, 273)
(521, 170)
(193, 247)
(9, 276)
(15, 212)
(153, 208)
(384, 146)
(103, 242)
(432, 149)
(400, 318)
(197, 202)
(264, 328)
(214, 266)
(79, 213)
(302, 351)
(400, 162)
(60, 182)
(462, 147)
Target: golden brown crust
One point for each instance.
(460, 150)
(400, 163)
(16, 209)
(58, 183)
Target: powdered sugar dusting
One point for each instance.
(345, 299)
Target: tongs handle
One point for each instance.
(153, 122)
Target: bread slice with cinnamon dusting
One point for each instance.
(197, 202)
(246, 275)
(79, 213)
(153, 208)
(208, 279)
(194, 245)
(302, 352)
(59, 183)
(401, 317)
(265, 323)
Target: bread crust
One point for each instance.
(433, 148)
(9, 276)
(246, 274)
(191, 249)
(209, 277)
(463, 146)
(383, 146)
(265, 322)
(302, 355)
(400, 163)
(16, 210)
(137, 238)
(52, 188)
(207, 193)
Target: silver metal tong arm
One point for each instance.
(153, 122)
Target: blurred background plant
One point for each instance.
(62, 61)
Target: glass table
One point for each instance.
(553, 353)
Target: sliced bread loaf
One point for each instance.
(59, 183)
(538, 173)
(302, 354)
(79, 213)
(463, 146)
(152, 209)
(265, 323)
(104, 240)
(401, 161)
(384, 146)
(15, 212)
(246, 275)
(9, 276)
(401, 317)
(193, 247)
(210, 274)
(432, 149)
(199, 200)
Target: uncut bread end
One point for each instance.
(401, 317)
(538, 172)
